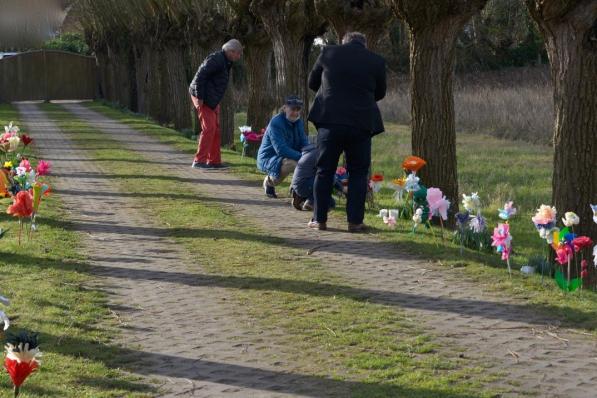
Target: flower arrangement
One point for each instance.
(250, 140)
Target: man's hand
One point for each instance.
(196, 102)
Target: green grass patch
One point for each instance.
(46, 280)
(498, 169)
(329, 328)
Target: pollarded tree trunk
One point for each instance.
(570, 33)
(261, 104)
(227, 109)
(179, 99)
(433, 27)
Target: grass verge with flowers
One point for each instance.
(329, 329)
(498, 169)
(46, 282)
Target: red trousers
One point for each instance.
(208, 149)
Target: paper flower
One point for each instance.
(438, 204)
(376, 182)
(4, 319)
(581, 242)
(8, 164)
(43, 168)
(13, 143)
(564, 254)
(594, 208)
(22, 358)
(398, 184)
(502, 240)
(471, 203)
(413, 163)
(545, 216)
(508, 211)
(570, 219)
(25, 164)
(26, 139)
(22, 205)
(412, 183)
(418, 217)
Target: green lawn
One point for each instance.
(329, 328)
(46, 280)
(498, 169)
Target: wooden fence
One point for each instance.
(47, 75)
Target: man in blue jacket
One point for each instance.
(281, 146)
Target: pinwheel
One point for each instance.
(502, 241)
(22, 358)
(508, 211)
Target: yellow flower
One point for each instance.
(399, 181)
(8, 164)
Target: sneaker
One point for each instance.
(297, 201)
(197, 165)
(357, 227)
(270, 191)
(307, 206)
(317, 225)
(219, 166)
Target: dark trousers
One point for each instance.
(332, 140)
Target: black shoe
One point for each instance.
(219, 166)
(197, 165)
(297, 201)
(270, 191)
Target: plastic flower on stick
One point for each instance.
(22, 358)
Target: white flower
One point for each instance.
(418, 217)
(412, 183)
(471, 203)
(547, 234)
(21, 171)
(13, 143)
(22, 353)
(477, 224)
(570, 219)
(245, 129)
(11, 129)
(4, 319)
(595, 255)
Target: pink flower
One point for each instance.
(43, 168)
(545, 215)
(25, 164)
(564, 254)
(438, 204)
(502, 240)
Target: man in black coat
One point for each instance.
(207, 90)
(349, 80)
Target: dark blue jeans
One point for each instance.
(332, 140)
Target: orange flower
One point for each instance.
(399, 181)
(22, 205)
(413, 163)
(377, 177)
(4, 184)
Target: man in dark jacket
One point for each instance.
(349, 80)
(207, 90)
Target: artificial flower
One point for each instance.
(43, 168)
(412, 183)
(26, 139)
(8, 164)
(22, 358)
(581, 242)
(245, 129)
(22, 205)
(25, 163)
(13, 143)
(418, 217)
(438, 204)
(508, 211)
(4, 320)
(377, 177)
(471, 203)
(477, 224)
(21, 171)
(563, 254)
(502, 240)
(398, 185)
(413, 163)
(11, 129)
(594, 208)
(545, 215)
(462, 219)
(595, 255)
(570, 219)
(547, 234)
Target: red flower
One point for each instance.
(413, 163)
(19, 371)
(584, 273)
(26, 139)
(583, 264)
(377, 177)
(43, 168)
(581, 242)
(22, 205)
(564, 254)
